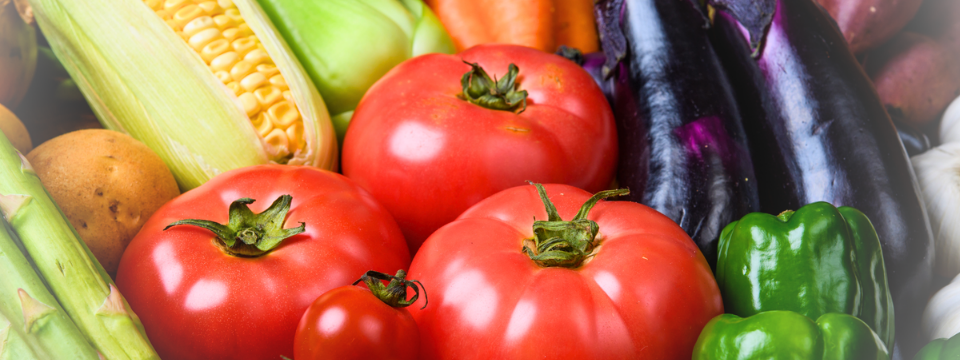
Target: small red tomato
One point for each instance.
(352, 322)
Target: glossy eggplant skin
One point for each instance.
(683, 150)
(819, 132)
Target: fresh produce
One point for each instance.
(69, 270)
(868, 23)
(15, 132)
(232, 274)
(107, 184)
(33, 325)
(333, 38)
(816, 260)
(437, 134)
(540, 24)
(938, 176)
(788, 335)
(351, 322)
(18, 51)
(683, 150)
(819, 132)
(510, 279)
(157, 72)
(916, 77)
(941, 317)
(949, 131)
(914, 141)
(940, 349)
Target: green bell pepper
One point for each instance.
(347, 45)
(817, 260)
(940, 349)
(788, 335)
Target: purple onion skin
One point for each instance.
(682, 149)
(819, 132)
(593, 64)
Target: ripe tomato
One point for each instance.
(427, 153)
(197, 301)
(352, 322)
(638, 289)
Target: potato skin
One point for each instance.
(868, 23)
(916, 77)
(107, 184)
(13, 129)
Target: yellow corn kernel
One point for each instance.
(198, 24)
(278, 81)
(253, 81)
(209, 7)
(214, 49)
(224, 62)
(216, 30)
(284, 114)
(277, 140)
(268, 70)
(263, 125)
(186, 14)
(295, 136)
(250, 104)
(268, 95)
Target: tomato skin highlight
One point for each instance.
(349, 322)
(646, 293)
(197, 302)
(427, 155)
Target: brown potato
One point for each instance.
(869, 23)
(916, 77)
(13, 129)
(107, 184)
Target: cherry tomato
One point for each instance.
(353, 322)
(620, 281)
(201, 298)
(427, 152)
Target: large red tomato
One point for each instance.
(637, 289)
(199, 301)
(427, 153)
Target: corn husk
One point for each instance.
(141, 78)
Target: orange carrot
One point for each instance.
(541, 24)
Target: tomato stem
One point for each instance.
(395, 292)
(248, 234)
(480, 89)
(558, 243)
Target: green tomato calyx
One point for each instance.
(248, 234)
(558, 243)
(395, 292)
(503, 94)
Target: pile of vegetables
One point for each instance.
(458, 179)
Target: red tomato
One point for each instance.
(198, 302)
(427, 154)
(351, 322)
(644, 291)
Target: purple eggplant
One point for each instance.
(819, 132)
(683, 150)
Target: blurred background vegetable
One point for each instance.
(18, 51)
(347, 45)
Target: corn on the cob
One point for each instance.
(73, 275)
(207, 84)
(24, 332)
